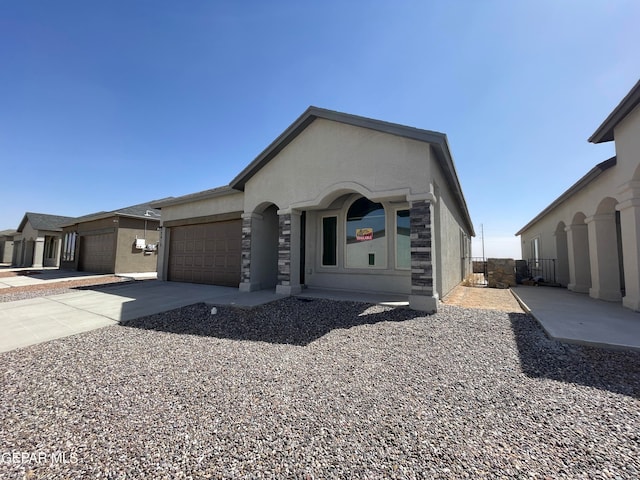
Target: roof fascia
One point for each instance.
(591, 175)
(443, 155)
(194, 197)
(604, 133)
(102, 216)
(23, 223)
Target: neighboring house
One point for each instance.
(336, 201)
(6, 245)
(37, 242)
(592, 230)
(120, 241)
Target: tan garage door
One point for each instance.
(97, 253)
(206, 253)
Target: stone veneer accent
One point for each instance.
(245, 268)
(284, 249)
(501, 272)
(421, 260)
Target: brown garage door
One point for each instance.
(206, 253)
(97, 253)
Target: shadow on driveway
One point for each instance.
(292, 321)
(616, 371)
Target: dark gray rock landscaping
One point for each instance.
(320, 389)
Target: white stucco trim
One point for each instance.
(336, 190)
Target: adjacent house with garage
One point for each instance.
(37, 242)
(6, 245)
(119, 241)
(592, 231)
(337, 201)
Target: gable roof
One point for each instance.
(436, 139)
(142, 210)
(604, 133)
(591, 175)
(43, 221)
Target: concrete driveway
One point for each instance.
(27, 322)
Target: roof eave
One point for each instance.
(204, 195)
(442, 147)
(591, 175)
(604, 132)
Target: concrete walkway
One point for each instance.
(577, 318)
(27, 322)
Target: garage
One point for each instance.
(206, 253)
(97, 253)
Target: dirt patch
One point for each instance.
(483, 298)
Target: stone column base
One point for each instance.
(424, 303)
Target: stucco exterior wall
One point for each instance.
(129, 259)
(450, 267)
(31, 250)
(6, 250)
(329, 154)
(201, 208)
(126, 258)
(627, 138)
(586, 201)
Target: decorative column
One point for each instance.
(423, 296)
(163, 254)
(38, 253)
(629, 208)
(603, 255)
(579, 264)
(288, 252)
(245, 267)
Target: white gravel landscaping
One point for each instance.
(319, 389)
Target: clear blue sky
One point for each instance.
(109, 104)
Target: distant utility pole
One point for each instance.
(482, 233)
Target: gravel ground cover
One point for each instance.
(319, 389)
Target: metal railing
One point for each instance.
(479, 273)
(538, 270)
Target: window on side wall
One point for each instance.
(329, 241)
(403, 240)
(69, 247)
(535, 252)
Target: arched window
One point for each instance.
(366, 235)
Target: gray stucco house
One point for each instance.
(119, 241)
(37, 242)
(336, 201)
(6, 245)
(592, 230)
